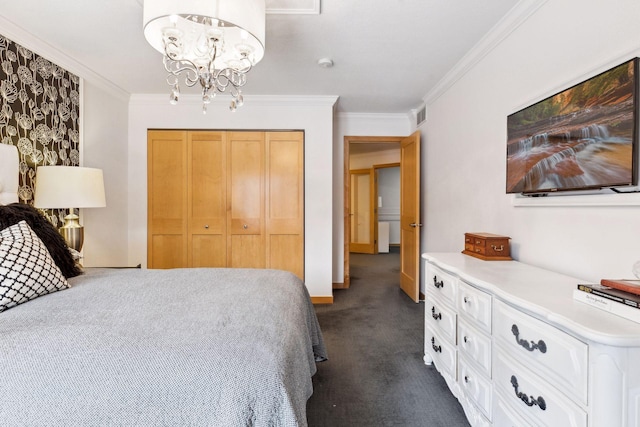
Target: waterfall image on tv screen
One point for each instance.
(582, 138)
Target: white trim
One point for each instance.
(249, 100)
(375, 116)
(313, 10)
(24, 38)
(585, 200)
(512, 20)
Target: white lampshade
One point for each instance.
(241, 21)
(69, 187)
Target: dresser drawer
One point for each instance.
(560, 358)
(441, 283)
(441, 318)
(504, 416)
(538, 402)
(442, 352)
(476, 346)
(476, 387)
(474, 305)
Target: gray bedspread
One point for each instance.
(184, 347)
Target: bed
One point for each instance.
(137, 347)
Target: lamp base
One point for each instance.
(72, 231)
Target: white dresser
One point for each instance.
(516, 349)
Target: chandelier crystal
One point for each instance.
(213, 43)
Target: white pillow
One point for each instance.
(27, 270)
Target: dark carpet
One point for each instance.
(375, 375)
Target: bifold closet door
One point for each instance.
(245, 202)
(207, 199)
(167, 199)
(285, 201)
(226, 199)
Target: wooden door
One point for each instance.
(362, 238)
(410, 215)
(245, 200)
(207, 199)
(167, 199)
(284, 194)
(226, 199)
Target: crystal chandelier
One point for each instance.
(213, 43)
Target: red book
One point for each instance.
(632, 286)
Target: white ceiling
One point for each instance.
(388, 54)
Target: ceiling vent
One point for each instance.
(421, 115)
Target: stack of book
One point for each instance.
(620, 297)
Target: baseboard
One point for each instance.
(322, 300)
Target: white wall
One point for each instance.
(104, 125)
(314, 115)
(389, 192)
(464, 144)
(367, 160)
(356, 125)
(388, 186)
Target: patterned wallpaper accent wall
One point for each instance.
(39, 115)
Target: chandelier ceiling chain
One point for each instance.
(214, 45)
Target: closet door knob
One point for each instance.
(245, 226)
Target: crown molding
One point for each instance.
(308, 7)
(375, 116)
(249, 100)
(512, 20)
(40, 47)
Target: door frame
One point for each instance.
(348, 140)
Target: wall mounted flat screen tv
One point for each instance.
(583, 138)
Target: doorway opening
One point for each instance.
(373, 221)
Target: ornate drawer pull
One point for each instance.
(466, 379)
(529, 345)
(466, 300)
(528, 400)
(434, 315)
(497, 249)
(466, 339)
(436, 348)
(436, 283)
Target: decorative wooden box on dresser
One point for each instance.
(516, 349)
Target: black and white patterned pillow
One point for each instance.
(27, 270)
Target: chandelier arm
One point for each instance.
(177, 67)
(249, 66)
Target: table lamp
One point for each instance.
(69, 187)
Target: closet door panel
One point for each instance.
(207, 199)
(286, 253)
(245, 187)
(168, 251)
(285, 201)
(167, 199)
(248, 251)
(209, 251)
